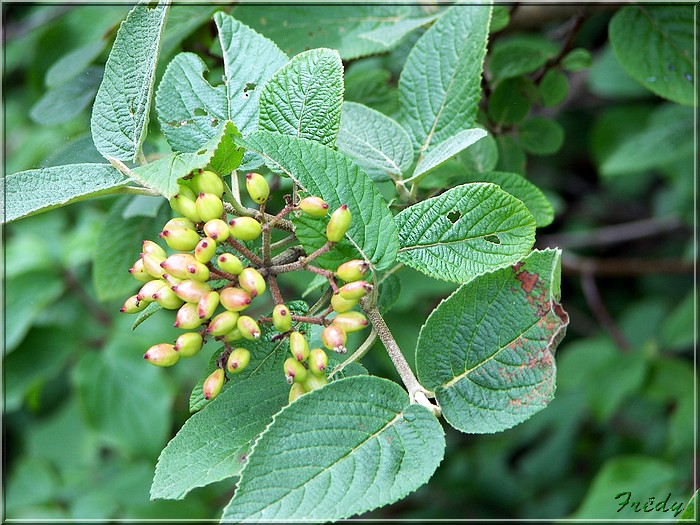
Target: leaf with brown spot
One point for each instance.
(488, 350)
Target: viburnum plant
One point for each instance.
(338, 442)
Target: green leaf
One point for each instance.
(134, 414)
(62, 103)
(440, 85)
(146, 313)
(690, 513)
(500, 18)
(390, 35)
(607, 79)
(541, 136)
(304, 97)
(120, 114)
(577, 60)
(511, 156)
(34, 191)
(191, 111)
(26, 296)
(667, 137)
(183, 20)
(522, 189)
(119, 245)
(354, 445)
(142, 206)
(73, 63)
(220, 153)
(488, 350)
(520, 55)
(554, 88)
(378, 144)
(511, 100)
(325, 173)
(447, 149)
(466, 231)
(654, 45)
(366, 82)
(480, 157)
(331, 26)
(214, 443)
(389, 292)
(641, 477)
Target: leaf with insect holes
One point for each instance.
(466, 231)
(191, 111)
(326, 173)
(213, 444)
(487, 351)
(120, 114)
(349, 447)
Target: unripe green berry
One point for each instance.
(296, 391)
(172, 281)
(209, 206)
(282, 318)
(207, 182)
(298, 346)
(151, 247)
(205, 250)
(185, 205)
(223, 323)
(340, 305)
(257, 187)
(314, 382)
(149, 289)
(187, 317)
(168, 299)
(314, 206)
(244, 228)
(355, 290)
(350, 322)
(318, 361)
(151, 263)
(294, 371)
(233, 335)
(248, 327)
(229, 263)
(213, 384)
(234, 299)
(186, 191)
(189, 344)
(206, 306)
(182, 239)
(252, 282)
(179, 222)
(217, 229)
(338, 224)
(162, 354)
(132, 305)
(352, 270)
(139, 272)
(191, 291)
(238, 360)
(334, 338)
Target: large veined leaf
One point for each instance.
(322, 171)
(440, 85)
(654, 45)
(354, 445)
(466, 231)
(376, 142)
(191, 111)
(214, 443)
(120, 114)
(304, 97)
(448, 149)
(354, 30)
(488, 350)
(65, 101)
(33, 191)
(220, 153)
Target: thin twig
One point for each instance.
(283, 243)
(357, 354)
(597, 306)
(274, 289)
(245, 252)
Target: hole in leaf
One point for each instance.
(201, 152)
(214, 122)
(199, 112)
(249, 86)
(454, 216)
(493, 239)
(152, 5)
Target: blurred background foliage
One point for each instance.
(85, 418)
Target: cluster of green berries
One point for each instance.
(212, 278)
